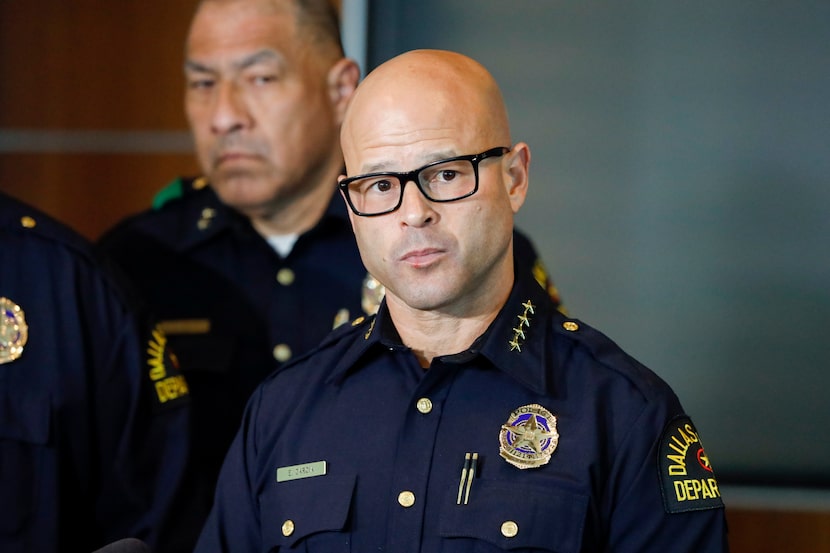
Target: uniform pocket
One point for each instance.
(210, 353)
(503, 516)
(25, 425)
(309, 514)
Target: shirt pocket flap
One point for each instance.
(518, 517)
(204, 352)
(306, 507)
(25, 426)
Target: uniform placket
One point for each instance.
(413, 465)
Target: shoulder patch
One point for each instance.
(686, 477)
(168, 384)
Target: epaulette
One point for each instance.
(24, 219)
(177, 188)
(345, 330)
(338, 335)
(603, 349)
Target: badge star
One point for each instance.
(530, 435)
(529, 307)
(519, 332)
(703, 459)
(514, 345)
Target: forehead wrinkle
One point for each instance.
(393, 165)
(221, 27)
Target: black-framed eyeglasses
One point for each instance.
(445, 180)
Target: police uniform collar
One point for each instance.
(375, 333)
(515, 343)
(518, 340)
(206, 216)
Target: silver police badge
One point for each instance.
(13, 330)
(529, 437)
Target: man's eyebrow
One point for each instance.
(264, 55)
(261, 56)
(195, 66)
(383, 166)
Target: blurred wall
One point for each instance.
(680, 194)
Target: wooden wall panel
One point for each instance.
(92, 64)
(83, 66)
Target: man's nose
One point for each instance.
(416, 210)
(229, 110)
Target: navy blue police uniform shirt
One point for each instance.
(543, 436)
(233, 308)
(92, 407)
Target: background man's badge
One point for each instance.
(529, 437)
(372, 294)
(13, 330)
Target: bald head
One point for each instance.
(453, 256)
(427, 95)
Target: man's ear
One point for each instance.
(517, 166)
(342, 81)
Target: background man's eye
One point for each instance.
(264, 79)
(198, 84)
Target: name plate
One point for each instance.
(296, 472)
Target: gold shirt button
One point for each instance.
(287, 528)
(285, 277)
(509, 529)
(424, 405)
(27, 222)
(406, 499)
(570, 326)
(282, 352)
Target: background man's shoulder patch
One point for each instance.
(169, 387)
(686, 476)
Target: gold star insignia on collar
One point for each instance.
(369, 332)
(524, 321)
(515, 345)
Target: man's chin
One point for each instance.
(244, 193)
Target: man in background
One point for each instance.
(93, 410)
